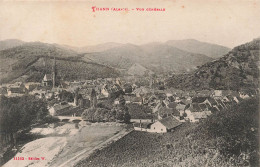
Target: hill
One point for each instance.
(227, 138)
(137, 69)
(10, 43)
(236, 70)
(99, 47)
(32, 60)
(156, 57)
(188, 45)
(194, 46)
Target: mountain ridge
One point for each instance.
(195, 46)
(10, 43)
(159, 57)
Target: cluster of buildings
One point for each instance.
(173, 107)
(170, 107)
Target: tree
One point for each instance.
(139, 111)
(93, 99)
(66, 96)
(19, 113)
(122, 113)
(88, 114)
(127, 117)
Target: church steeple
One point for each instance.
(54, 73)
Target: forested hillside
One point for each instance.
(32, 60)
(236, 70)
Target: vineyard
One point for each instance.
(213, 142)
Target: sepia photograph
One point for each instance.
(129, 83)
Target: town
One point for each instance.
(166, 108)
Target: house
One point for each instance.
(162, 111)
(196, 111)
(243, 95)
(16, 89)
(237, 99)
(198, 99)
(221, 105)
(169, 99)
(128, 99)
(197, 116)
(211, 101)
(206, 93)
(165, 125)
(116, 101)
(180, 107)
(221, 93)
(146, 99)
(152, 99)
(162, 126)
(142, 126)
(116, 88)
(101, 97)
(12, 92)
(231, 99)
(138, 100)
(141, 120)
(39, 93)
(59, 108)
(105, 90)
(141, 91)
(193, 107)
(160, 95)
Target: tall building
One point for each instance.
(54, 73)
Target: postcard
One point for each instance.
(131, 83)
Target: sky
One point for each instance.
(74, 23)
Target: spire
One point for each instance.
(54, 73)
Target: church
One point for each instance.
(50, 79)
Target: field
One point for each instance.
(65, 142)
